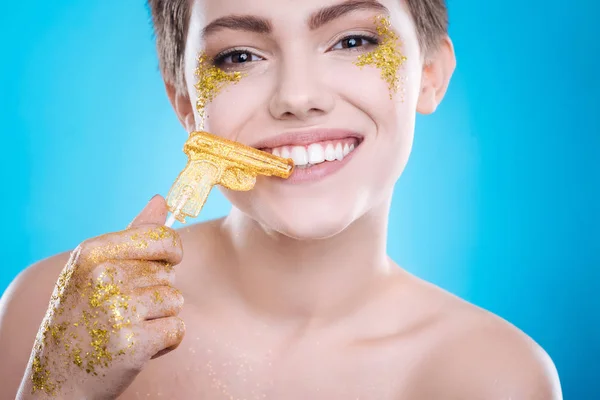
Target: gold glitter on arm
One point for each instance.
(387, 56)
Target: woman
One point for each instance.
(292, 295)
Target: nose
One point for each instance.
(300, 93)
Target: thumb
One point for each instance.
(155, 212)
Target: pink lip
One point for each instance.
(304, 138)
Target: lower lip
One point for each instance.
(319, 171)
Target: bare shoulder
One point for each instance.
(480, 355)
(22, 308)
(204, 231)
(203, 241)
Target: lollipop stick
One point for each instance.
(170, 221)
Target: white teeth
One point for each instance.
(316, 154)
(299, 155)
(339, 153)
(329, 152)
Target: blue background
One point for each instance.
(499, 203)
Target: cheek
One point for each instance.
(389, 141)
(364, 92)
(232, 108)
(241, 107)
(368, 91)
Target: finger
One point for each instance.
(155, 212)
(157, 302)
(140, 273)
(144, 242)
(167, 334)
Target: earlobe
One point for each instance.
(182, 106)
(437, 71)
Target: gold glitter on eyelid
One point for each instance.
(211, 80)
(387, 56)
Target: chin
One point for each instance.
(312, 219)
(307, 219)
(307, 228)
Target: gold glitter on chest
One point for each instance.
(387, 56)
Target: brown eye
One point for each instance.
(352, 42)
(240, 57)
(236, 57)
(355, 41)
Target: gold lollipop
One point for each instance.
(213, 160)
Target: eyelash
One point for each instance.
(220, 58)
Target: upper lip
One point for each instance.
(306, 137)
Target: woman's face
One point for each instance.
(302, 93)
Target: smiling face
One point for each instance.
(303, 95)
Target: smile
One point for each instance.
(316, 153)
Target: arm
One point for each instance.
(22, 308)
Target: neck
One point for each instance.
(308, 280)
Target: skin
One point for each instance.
(319, 311)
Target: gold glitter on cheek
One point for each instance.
(211, 80)
(387, 56)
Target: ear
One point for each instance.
(437, 71)
(182, 106)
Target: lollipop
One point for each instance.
(213, 160)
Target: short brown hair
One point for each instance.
(171, 18)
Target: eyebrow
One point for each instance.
(328, 14)
(252, 23)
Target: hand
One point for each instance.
(113, 309)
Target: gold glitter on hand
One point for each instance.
(89, 316)
(387, 56)
(158, 297)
